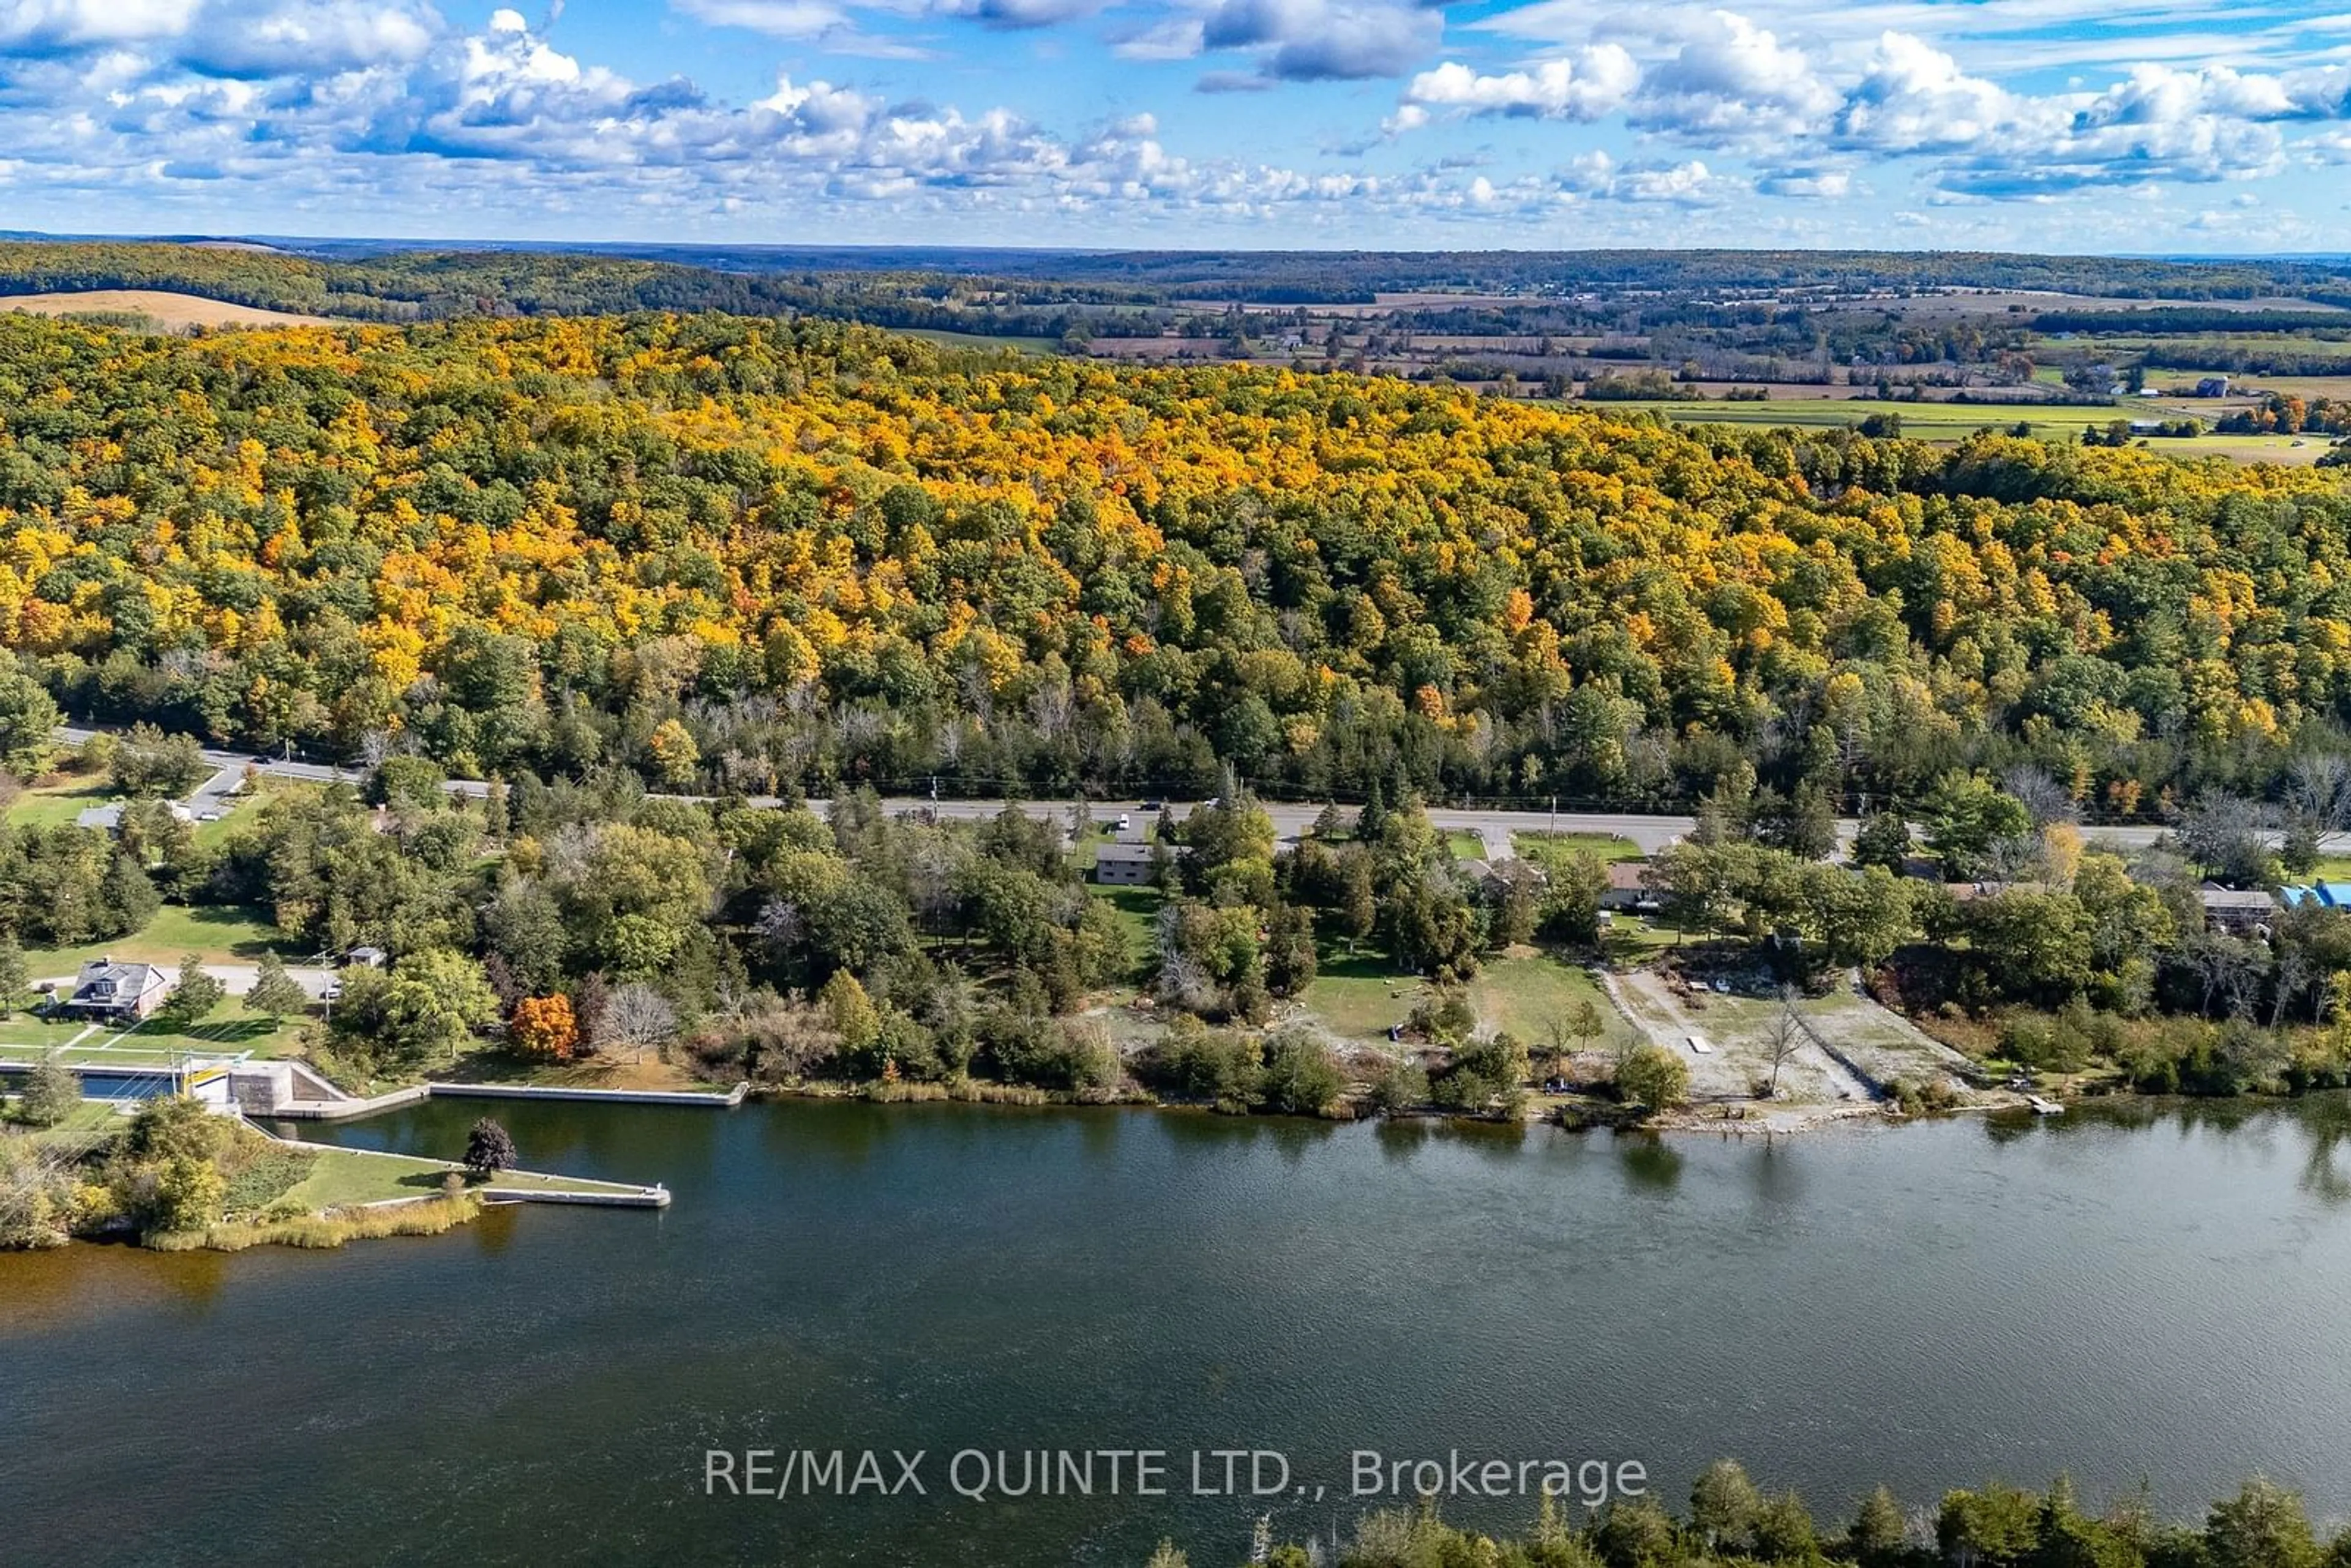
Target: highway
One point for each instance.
(1648, 833)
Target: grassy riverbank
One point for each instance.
(424, 1217)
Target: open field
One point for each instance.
(1922, 421)
(2244, 383)
(1358, 997)
(2302, 345)
(1607, 846)
(222, 934)
(1956, 420)
(1738, 1029)
(1523, 992)
(177, 312)
(57, 801)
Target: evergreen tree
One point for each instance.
(126, 895)
(275, 993)
(194, 997)
(13, 979)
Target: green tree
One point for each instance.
(187, 1196)
(147, 764)
(193, 998)
(174, 1127)
(2264, 1526)
(1289, 957)
(1995, 1527)
(275, 993)
(1880, 1536)
(1883, 841)
(13, 976)
(1300, 1078)
(29, 721)
(1652, 1078)
(850, 1011)
(1966, 817)
(127, 896)
(1723, 1506)
(2031, 944)
(1784, 1531)
(428, 1004)
(51, 1093)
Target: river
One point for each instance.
(2147, 1295)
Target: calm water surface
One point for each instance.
(2163, 1297)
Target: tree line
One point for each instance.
(1730, 1518)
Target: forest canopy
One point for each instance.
(738, 553)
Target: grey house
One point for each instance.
(106, 990)
(1124, 865)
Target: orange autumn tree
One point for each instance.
(543, 1028)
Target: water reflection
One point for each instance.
(1650, 1161)
(2326, 1125)
(1778, 1171)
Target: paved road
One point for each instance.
(238, 977)
(1650, 833)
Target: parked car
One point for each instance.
(1122, 823)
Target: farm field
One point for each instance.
(177, 312)
(1951, 422)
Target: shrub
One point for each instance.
(1300, 1078)
(1402, 1086)
(1652, 1078)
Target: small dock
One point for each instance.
(2041, 1107)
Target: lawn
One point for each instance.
(1629, 940)
(1360, 995)
(1466, 845)
(224, 934)
(1523, 992)
(24, 1037)
(230, 1031)
(56, 803)
(345, 1177)
(1607, 846)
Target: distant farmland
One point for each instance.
(172, 312)
(1951, 422)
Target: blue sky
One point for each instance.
(2054, 125)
